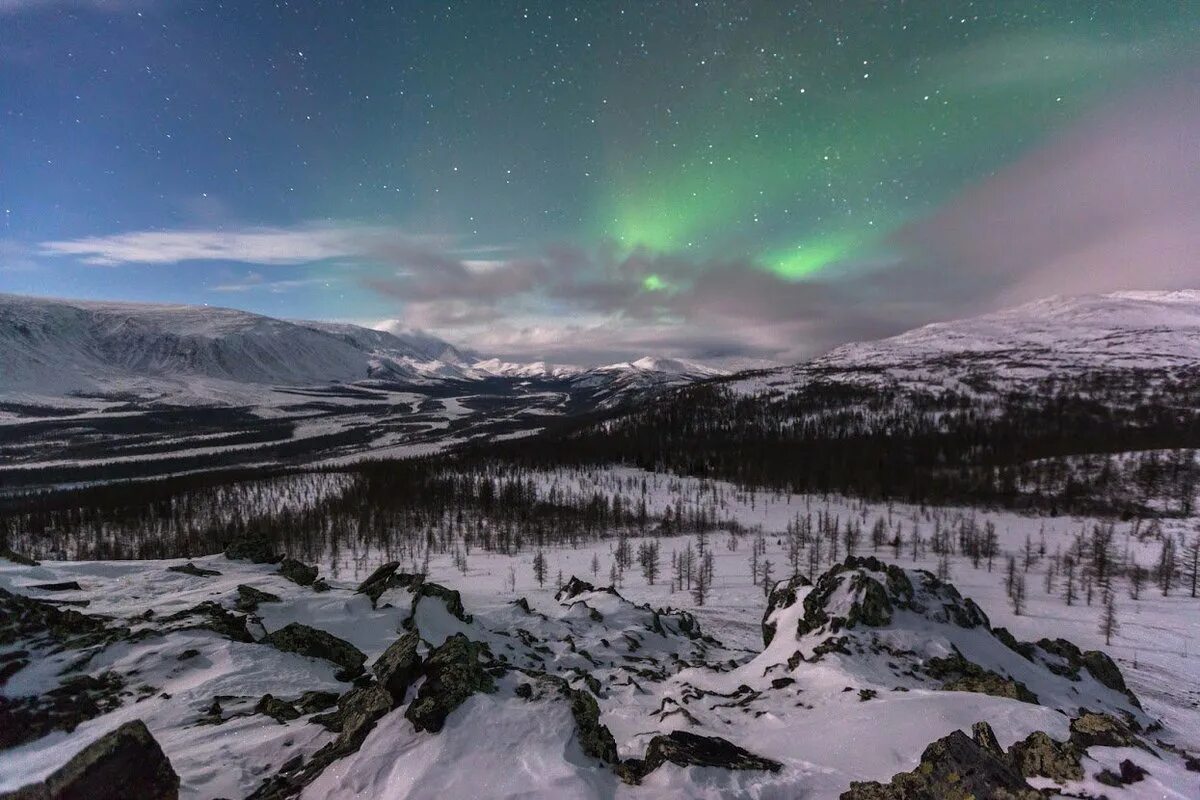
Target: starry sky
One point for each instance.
(586, 181)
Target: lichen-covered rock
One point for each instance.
(316, 643)
(960, 675)
(276, 709)
(191, 569)
(398, 666)
(249, 598)
(595, 739)
(1096, 663)
(253, 548)
(1091, 730)
(357, 710)
(1037, 755)
(689, 749)
(297, 572)
(955, 767)
(125, 763)
(453, 672)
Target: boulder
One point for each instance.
(191, 569)
(689, 749)
(249, 598)
(453, 673)
(377, 581)
(316, 643)
(1091, 730)
(276, 709)
(1039, 756)
(298, 572)
(450, 597)
(122, 764)
(398, 666)
(256, 549)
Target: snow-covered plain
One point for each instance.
(501, 745)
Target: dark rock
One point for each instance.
(316, 643)
(319, 585)
(191, 652)
(524, 691)
(377, 581)
(960, 675)
(17, 558)
(1091, 730)
(75, 700)
(249, 598)
(1040, 756)
(399, 666)
(191, 569)
(595, 739)
(1129, 773)
(356, 709)
(955, 767)
(312, 702)
(689, 749)
(453, 673)
(61, 586)
(450, 597)
(125, 763)
(276, 709)
(298, 572)
(575, 587)
(256, 549)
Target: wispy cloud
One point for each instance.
(257, 282)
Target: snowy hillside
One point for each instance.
(1049, 337)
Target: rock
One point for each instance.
(256, 549)
(75, 700)
(17, 558)
(376, 583)
(316, 643)
(249, 598)
(61, 586)
(1090, 730)
(1040, 756)
(450, 597)
(453, 673)
(1094, 662)
(276, 709)
(356, 709)
(298, 572)
(319, 585)
(399, 666)
(1129, 773)
(960, 675)
(191, 569)
(314, 701)
(783, 595)
(125, 763)
(191, 652)
(219, 620)
(689, 749)
(955, 767)
(524, 691)
(595, 739)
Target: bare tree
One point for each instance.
(1108, 620)
(1018, 595)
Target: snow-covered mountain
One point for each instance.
(1055, 336)
(52, 347)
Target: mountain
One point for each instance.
(1055, 336)
(52, 347)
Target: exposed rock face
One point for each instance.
(1094, 662)
(215, 618)
(398, 666)
(276, 709)
(595, 739)
(256, 549)
(376, 582)
(126, 763)
(1040, 756)
(191, 569)
(249, 598)
(960, 675)
(1090, 730)
(75, 700)
(316, 643)
(297, 572)
(689, 749)
(955, 767)
(453, 673)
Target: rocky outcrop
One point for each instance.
(216, 618)
(297, 572)
(1039, 756)
(75, 700)
(249, 598)
(955, 767)
(783, 595)
(253, 548)
(960, 675)
(450, 597)
(316, 643)
(686, 749)
(191, 569)
(123, 764)
(1070, 662)
(453, 672)
(398, 666)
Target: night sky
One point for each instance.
(587, 181)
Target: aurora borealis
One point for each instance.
(703, 179)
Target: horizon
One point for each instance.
(722, 180)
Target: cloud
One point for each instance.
(256, 281)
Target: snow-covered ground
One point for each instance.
(502, 745)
